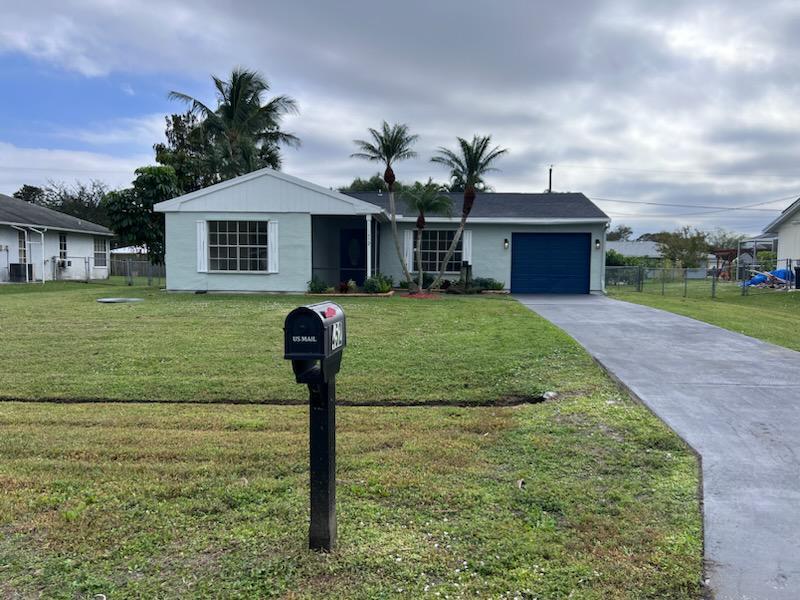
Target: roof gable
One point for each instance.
(792, 210)
(14, 211)
(268, 191)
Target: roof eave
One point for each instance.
(513, 220)
(54, 228)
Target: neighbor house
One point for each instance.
(269, 231)
(787, 228)
(635, 248)
(40, 244)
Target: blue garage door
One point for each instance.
(550, 263)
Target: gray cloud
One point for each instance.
(673, 102)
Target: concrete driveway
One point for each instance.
(736, 401)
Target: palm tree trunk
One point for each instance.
(419, 259)
(450, 251)
(397, 247)
(469, 200)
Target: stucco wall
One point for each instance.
(789, 240)
(294, 252)
(489, 258)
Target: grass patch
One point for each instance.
(153, 500)
(766, 314)
(61, 344)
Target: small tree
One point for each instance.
(389, 145)
(30, 193)
(686, 245)
(131, 210)
(373, 184)
(722, 239)
(425, 198)
(620, 233)
(467, 165)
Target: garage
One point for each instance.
(550, 263)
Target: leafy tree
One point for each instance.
(131, 209)
(686, 246)
(189, 151)
(82, 200)
(30, 193)
(620, 233)
(373, 184)
(425, 198)
(468, 165)
(722, 239)
(244, 130)
(387, 146)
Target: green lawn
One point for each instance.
(60, 344)
(210, 499)
(158, 500)
(770, 315)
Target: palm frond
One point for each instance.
(389, 144)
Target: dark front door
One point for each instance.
(353, 255)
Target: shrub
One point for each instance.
(347, 287)
(487, 283)
(378, 284)
(317, 286)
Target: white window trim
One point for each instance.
(105, 251)
(202, 246)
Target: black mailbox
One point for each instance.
(314, 337)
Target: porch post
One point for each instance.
(369, 246)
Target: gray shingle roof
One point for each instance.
(18, 212)
(634, 248)
(502, 205)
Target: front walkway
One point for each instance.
(736, 401)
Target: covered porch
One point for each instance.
(345, 247)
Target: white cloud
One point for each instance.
(143, 131)
(37, 166)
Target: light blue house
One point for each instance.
(269, 231)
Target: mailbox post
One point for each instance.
(314, 337)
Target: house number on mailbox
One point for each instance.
(336, 336)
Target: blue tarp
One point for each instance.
(784, 274)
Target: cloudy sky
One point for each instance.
(666, 113)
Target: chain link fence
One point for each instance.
(124, 271)
(137, 272)
(777, 277)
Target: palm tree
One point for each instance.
(245, 132)
(467, 165)
(390, 144)
(425, 198)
